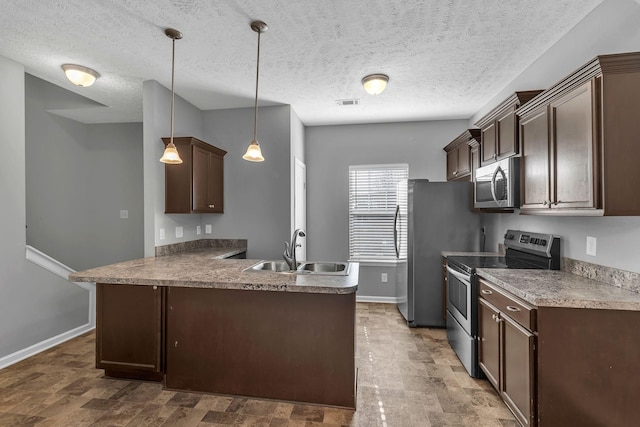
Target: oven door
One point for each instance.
(459, 299)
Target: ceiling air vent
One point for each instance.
(347, 102)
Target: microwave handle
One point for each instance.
(493, 184)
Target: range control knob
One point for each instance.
(543, 242)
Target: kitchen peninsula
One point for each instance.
(198, 322)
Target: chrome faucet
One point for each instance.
(290, 249)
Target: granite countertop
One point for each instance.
(204, 268)
(545, 288)
(451, 253)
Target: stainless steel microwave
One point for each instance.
(497, 186)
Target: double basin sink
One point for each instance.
(321, 268)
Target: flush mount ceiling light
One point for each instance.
(254, 154)
(375, 84)
(170, 155)
(79, 75)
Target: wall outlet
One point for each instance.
(591, 245)
(124, 214)
(207, 229)
(198, 229)
(162, 234)
(384, 278)
(179, 232)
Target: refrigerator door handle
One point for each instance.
(395, 231)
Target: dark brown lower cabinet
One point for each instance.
(507, 350)
(129, 327)
(588, 367)
(277, 345)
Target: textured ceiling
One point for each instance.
(446, 58)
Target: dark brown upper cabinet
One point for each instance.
(197, 184)
(499, 128)
(459, 155)
(579, 142)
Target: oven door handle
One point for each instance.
(460, 276)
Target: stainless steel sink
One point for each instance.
(274, 266)
(320, 268)
(337, 268)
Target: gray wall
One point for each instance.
(78, 178)
(610, 28)
(35, 304)
(156, 101)
(329, 152)
(257, 196)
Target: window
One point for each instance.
(376, 192)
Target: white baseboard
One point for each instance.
(382, 300)
(44, 345)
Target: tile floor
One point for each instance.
(407, 377)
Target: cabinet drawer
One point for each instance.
(518, 310)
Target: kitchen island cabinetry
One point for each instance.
(279, 345)
(458, 155)
(196, 185)
(203, 324)
(579, 150)
(129, 331)
(506, 349)
(499, 128)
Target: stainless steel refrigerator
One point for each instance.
(439, 218)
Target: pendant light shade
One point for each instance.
(79, 75)
(170, 155)
(375, 84)
(254, 154)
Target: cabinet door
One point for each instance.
(452, 165)
(507, 135)
(489, 147)
(535, 161)
(215, 184)
(489, 341)
(207, 181)
(200, 178)
(463, 167)
(517, 381)
(129, 331)
(573, 138)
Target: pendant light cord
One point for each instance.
(255, 115)
(173, 65)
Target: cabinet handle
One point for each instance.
(455, 172)
(495, 157)
(155, 287)
(497, 319)
(494, 317)
(556, 202)
(545, 203)
(486, 291)
(212, 206)
(513, 308)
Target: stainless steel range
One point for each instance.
(523, 250)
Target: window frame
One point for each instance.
(368, 199)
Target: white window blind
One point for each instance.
(375, 193)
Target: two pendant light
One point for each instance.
(253, 154)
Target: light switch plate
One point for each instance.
(162, 234)
(124, 214)
(198, 229)
(591, 245)
(179, 232)
(207, 229)
(384, 278)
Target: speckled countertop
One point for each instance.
(544, 288)
(204, 268)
